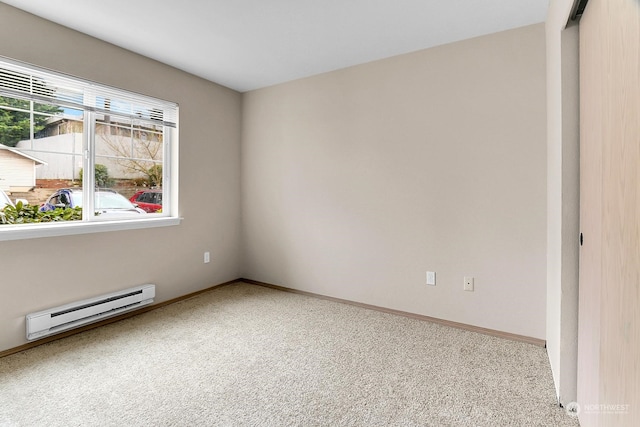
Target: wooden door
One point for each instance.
(609, 307)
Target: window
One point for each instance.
(79, 152)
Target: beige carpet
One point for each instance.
(244, 355)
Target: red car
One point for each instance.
(148, 200)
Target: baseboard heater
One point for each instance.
(69, 316)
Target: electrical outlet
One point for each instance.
(468, 283)
(431, 278)
(207, 257)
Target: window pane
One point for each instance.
(129, 158)
(56, 152)
(40, 164)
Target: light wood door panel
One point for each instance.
(609, 311)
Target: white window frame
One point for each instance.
(91, 91)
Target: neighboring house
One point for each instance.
(17, 169)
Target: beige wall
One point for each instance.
(356, 182)
(40, 273)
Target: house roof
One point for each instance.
(20, 153)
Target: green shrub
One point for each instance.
(101, 176)
(26, 214)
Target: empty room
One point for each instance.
(296, 213)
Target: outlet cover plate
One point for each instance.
(468, 284)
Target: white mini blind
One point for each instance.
(39, 85)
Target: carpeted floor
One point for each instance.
(244, 355)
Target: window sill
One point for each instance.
(34, 231)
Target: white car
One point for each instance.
(107, 203)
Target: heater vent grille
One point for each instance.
(106, 300)
(69, 316)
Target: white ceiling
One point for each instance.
(249, 44)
